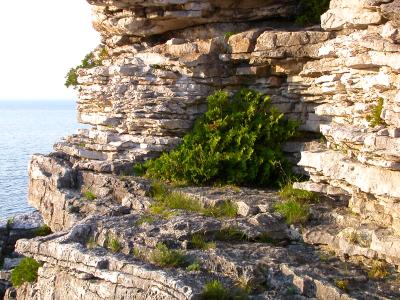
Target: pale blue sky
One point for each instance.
(40, 41)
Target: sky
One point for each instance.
(40, 41)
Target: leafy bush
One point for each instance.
(89, 61)
(164, 257)
(237, 141)
(311, 11)
(26, 271)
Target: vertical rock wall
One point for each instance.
(163, 59)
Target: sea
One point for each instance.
(28, 127)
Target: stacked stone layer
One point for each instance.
(164, 59)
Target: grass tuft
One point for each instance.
(214, 290)
(379, 270)
(198, 241)
(167, 200)
(26, 271)
(374, 118)
(224, 209)
(194, 267)
(342, 284)
(231, 234)
(287, 192)
(162, 256)
(89, 195)
(91, 243)
(293, 211)
(148, 219)
(114, 245)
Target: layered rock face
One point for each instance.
(164, 59)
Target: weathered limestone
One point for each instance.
(341, 82)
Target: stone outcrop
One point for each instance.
(340, 81)
(19, 227)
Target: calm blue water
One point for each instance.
(28, 127)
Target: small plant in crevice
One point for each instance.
(9, 224)
(228, 34)
(342, 284)
(198, 241)
(91, 60)
(231, 234)
(288, 192)
(379, 270)
(374, 118)
(194, 267)
(311, 11)
(237, 141)
(293, 211)
(224, 209)
(162, 256)
(26, 271)
(89, 195)
(145, 219)
(167, 200)
(215, 290)
(114, 245)
(91, 243)
(42, 231)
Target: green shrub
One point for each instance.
(215, 290)
(89, 195)
(114, 245)
(294, 211)
(43, 231)
(89, 61)
(237, 141)
(311, 11)
(26, 271)
(162, 256)
(374, 118)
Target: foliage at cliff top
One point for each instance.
(311, 11)
(91, 60)
(237, 141)
(26, 271)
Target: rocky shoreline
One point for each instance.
(341, 83)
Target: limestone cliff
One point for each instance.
(164, 58)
